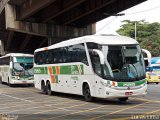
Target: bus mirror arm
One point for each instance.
(100, 54)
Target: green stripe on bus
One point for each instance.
(54, 69)
(40, 70)
(64, 70)
(82, 69)
(77, 70)
(56, 77)
(128, 84)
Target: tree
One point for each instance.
(148, 34)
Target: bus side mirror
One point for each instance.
(100, 54)
(11, 65)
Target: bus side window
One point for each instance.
(55, 56)
(39, 58)
(60, 55)
(80, 54)
(65, 50)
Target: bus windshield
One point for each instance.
(122, 63)
(23, 66)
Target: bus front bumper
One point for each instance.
(125, 92)
(22, 82)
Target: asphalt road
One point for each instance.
(27, 103)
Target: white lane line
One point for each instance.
(16, 98)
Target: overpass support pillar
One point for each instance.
(2, 52)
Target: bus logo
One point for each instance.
(128, 84)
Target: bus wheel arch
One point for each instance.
(48, 88)
(43, 87)
(87, 92)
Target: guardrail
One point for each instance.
(2, 4)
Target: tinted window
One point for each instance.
(5, 61)
(74, 53)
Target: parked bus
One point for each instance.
(103, 66)
(16, 68)
(153, 72)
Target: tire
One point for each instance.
(87, 94)
(157, 83)
(123, 99)
(43, 88)
(48, 88)
(30, 85)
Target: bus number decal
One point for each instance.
(40, 70)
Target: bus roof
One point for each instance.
(17, 54)
(99, 39)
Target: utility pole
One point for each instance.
(135, 30)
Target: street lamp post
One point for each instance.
(135, 30)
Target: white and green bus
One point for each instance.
(103, 66)
(16, 68)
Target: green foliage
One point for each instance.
(148, 34)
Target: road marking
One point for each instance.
(76, 112)
(39, 107)
(20, 90)
(14, 106)
(53, 100)
(117, 111)
(153, 111)
(16, 97)
(153, 101)
(9, 103)
(76, 105)
(61, 108)
(33, 101)
(49, 110)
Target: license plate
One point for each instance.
(24, 82)
(128, 93)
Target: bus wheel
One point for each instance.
(87, 94)
(49, 92)
(157, 83)
(123, 99)
(43, 88)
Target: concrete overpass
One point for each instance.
(29, 24)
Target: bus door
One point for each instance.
(97, 74)
(76, 76)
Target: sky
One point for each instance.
(148, 11)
